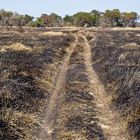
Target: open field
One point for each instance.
(70, 84)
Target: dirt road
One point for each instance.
(107, 122)
(54, 100)
(79, 107)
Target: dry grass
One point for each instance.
(15, 125)
(126, 29)
(137, 34)
(15, 47)
(66, 135)
(131, 45)
(50, 33)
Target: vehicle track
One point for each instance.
(107, 118)
(77, 115)
(47, 133)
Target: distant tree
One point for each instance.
(68, 20)
(110, 18)
(84, 18)
(104, 21)
(46, 19)
(17, 21)
(39, 22)
(114, 16)
(51, 20)
(56, 20)
(9, 19)
(129, 19)
(27, 19)
(5, 19)
(96, 15)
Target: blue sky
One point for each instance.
(63, 7)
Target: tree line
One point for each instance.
(109, 18)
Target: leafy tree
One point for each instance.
(51, 20)
(46, 19)
(111, 18)
(5, 19)
(129, 19)
(68, 20)
(9, 19)
(84, 18)
(56, 20)
(114, 16)
(104, 21)
(27, 19)
(96, 15)
(39, 22)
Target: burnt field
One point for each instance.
(29, 65)
(75, 84)
(116, 59)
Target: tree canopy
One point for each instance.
(112, 18)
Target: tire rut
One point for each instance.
(106, 126)
(77, 119)
(48, 126)
(107, 121)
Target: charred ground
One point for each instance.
(26, 81)
(116, 56)
(31, 64)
